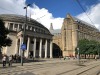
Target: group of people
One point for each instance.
(10, 59)
(6, 59)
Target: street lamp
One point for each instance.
(78, 56)
(98, 50)
(23, 45)
(25, 23)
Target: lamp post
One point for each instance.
(23, 46)
(25, 23)
(78, 56)
(98, 50)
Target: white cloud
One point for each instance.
(94, 14)
(41, 15)
(12, 7)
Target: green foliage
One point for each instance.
(88, 47)
(4, 40)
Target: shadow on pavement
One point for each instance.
(7, 67)
(27, 73)
(28, 61)
(36, 60)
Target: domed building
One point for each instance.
(38, 39)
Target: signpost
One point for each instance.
(23, 48)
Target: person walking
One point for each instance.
(10, 60)
(4, 60)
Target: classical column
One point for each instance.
(34, 50)
(46, 48)
(28, 46)
(8, 26)
(40, 49)
(18, 28)
(16, 46)
(51, 49)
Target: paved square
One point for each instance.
(53, 67)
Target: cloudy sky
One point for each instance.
(53, 11)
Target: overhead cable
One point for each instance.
(84, 10)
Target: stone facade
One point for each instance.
(38, 39)
(73, 30)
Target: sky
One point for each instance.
(54, 11)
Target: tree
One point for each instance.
(92, 47)
(88, 47)
(4, 40)
(83, 47)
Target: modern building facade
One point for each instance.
(71, 32)
(38, 39)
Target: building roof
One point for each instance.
(83, 22)
(55, 31)
(21, 19)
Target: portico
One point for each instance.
(37, 46)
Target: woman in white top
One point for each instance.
(4, 61)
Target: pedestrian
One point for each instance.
(10, 60)
(4, 60)
(96, 57)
